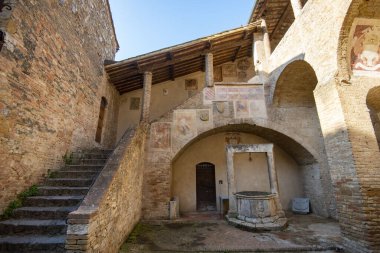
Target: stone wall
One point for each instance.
(113, 205)
(349, 136)
(51, 84)
(295, 130)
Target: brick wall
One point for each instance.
(51, 84)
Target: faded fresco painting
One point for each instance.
(218, 77)
(184, 124)
(204, 120)
(229, 93)
(208, 95)
(365, 47)
(242, 109)
(244, 64)
(160, 136)
(135, 103)
(222, 109)
(191, 84)
(229, 70)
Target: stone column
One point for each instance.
(267, 47)
(274, 183)
(232, 212)
(297, 7)
(209, 69)
(147, 86)
(272, 173)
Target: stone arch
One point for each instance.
(373, 103)
(358, 9)
(303, 155)
(295, 85)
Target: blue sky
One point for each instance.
(143, 26)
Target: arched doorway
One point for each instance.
(205, 186)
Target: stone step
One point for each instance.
(41, 213)
(32, 244)
(89, 162)
(82, 168)
(62, 191)
(73, 182)
(91, 155)
(53, 200)
(30, 226)
(75, 174)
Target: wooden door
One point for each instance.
(206, 193)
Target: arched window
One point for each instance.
(102, 111)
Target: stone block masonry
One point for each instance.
(51, 84)
(113, 205)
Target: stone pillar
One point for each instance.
(297, 7)
(232, 212)
(267, 47)
(272, 173)
(209, 63)
(147, 86)
(273, 182)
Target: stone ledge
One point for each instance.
(279, 224)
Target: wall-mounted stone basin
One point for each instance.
(257, 210)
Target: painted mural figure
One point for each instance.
(365, 54)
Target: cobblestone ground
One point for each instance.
(305, 233)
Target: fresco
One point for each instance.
(204, 120)
(229, 70)
(160, 136)
(218, 77)
(242, 109)
(184, 124)
(208, 95)
(365, 47)
(228, 93)
(135, 103)
(191, 84)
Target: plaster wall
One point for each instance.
(168, 95)
(249, 175)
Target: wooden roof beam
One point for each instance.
(281, 20)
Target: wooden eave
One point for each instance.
(278, 15)
(183, 59)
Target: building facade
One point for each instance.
(301, 75)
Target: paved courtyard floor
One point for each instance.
(209, 233)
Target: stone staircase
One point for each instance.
(40, 224)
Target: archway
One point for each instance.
(295, 86)
(373, 103)
(298, 169)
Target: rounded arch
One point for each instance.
(358, 9)
(373, 104)
(303, 154)
(295, 85)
